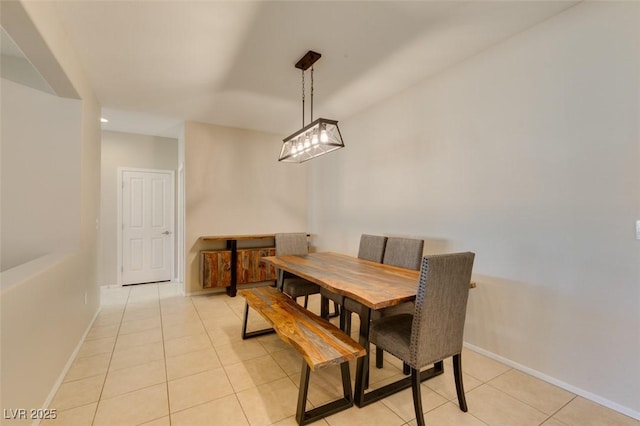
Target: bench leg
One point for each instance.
(247, 335)
(303, 390)
(304, 417)
(347, 391)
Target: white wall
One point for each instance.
(125, 150)
(52, 301)
(528, 155)
(235, 186)
(40, 197)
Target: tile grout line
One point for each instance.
(195, 306)
(200, 319)
(235, 393)
(519, 400)
(100, 399)
(209, 337)
(525, 402)
(164, 358)
(559, 409)
(113, 349)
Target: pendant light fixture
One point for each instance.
(316, 138)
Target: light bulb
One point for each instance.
(294, 149)
(307, 143)
(324, 137)
(314, 138)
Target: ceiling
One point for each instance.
(155, 64)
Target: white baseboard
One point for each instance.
(566, 386)
(67, 366)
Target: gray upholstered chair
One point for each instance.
(403, 252)
(434, 331)
(371, 248)
(294, 286)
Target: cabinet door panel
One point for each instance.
(249, 268)
(216, 269)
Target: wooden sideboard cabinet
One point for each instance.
(233, 265)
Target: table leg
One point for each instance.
(362, 368)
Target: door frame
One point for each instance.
(121, 171)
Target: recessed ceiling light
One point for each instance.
(103, 120)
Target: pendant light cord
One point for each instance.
(311, 92)
(302, 98)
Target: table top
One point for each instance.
(373, 284)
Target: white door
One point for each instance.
(147, 226)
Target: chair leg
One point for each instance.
(306, 301)
(379, 358)
(336, 309)
(347, 321)
(343, 319)
(417, 397)
(457, 373)
(280, 280)
(324, 307)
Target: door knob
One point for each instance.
(167, 232)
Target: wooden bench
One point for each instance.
(320, 343)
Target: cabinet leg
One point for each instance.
(232, 290)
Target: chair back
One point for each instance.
(403, 252)
(372, 247)
(441, 308)
(292, 243)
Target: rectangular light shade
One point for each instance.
(315, 139)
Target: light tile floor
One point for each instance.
(154, 357)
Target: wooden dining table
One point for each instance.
(375, 286)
